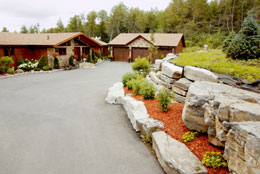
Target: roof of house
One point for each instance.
(41, 39)
(100, 41)
(160, 39)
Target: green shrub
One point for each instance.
(10, 70)
(214, 160)
(137, 86)
(141, 66)
(5, 63)
(20, 61)
(147, 90)
(71, 61)
(164, 100)
(245, 44)
(46, 68)
(130, 84)
(19, 71)
(161, 56)
(42, 62)
(228, 41)
(56, 63)
(129, 76)
(37, 69)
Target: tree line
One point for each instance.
(199, 20)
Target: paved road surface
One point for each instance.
(59, 123)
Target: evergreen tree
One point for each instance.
(42, 62)
(228, 41)
(246, 43)
(20, 61)
(24, 29)
(56, 63)
(5, 29)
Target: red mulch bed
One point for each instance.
(174, 126)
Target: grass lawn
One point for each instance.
(216, 61)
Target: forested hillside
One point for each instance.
(202, 21)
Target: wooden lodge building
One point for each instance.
(33, 46)
(133, 45)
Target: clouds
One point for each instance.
(15, 13)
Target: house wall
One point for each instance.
(140, 42)
(1, 52)
(179, 48)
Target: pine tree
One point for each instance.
(246, 43)
(228, 41)
(42, 62)
(56, 63)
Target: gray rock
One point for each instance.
(148, 126)
(135, 110)
(158, 64)
(167, 79)
(179, 98)
(115, 93)
(170, 56)
(172, 70)
(158, 81)
(175, 157)
(183, 84)
(179, 91)
(199, 74)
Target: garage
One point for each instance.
(120, 53)
(139, 52)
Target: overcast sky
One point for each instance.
(15, 13)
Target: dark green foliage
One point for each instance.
(42, 62)
(228, 41)
(20, 60)
(56, 63)
(129, 76)
(164, 99)
(5, 63)
(37, 69)
(245, 44)
(89, 58)
(10, 70)
(46, 68)
(94, 57)
(147, 90)
(71, 61)
(141, 66)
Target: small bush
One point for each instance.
(42, 62)
(20, 61)
(141, 66)
(137, 86)
(189, 136)
(10, 70)
(129, 76)
(46, 68)
(19, 71)
(214, 160)
(37, 69)
(5, 63)
(56, 63)
(130, 84)
(147, 90)
(164, 99)
(71, 61)
(161, 56)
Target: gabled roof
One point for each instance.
(100, 41)
(41, 39)
(160, 39)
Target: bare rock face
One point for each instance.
(172, 70)
(148, 126)
(208, 105)
(135, 110)
(158, 64)
(179, 98)
(174, 156)
(158, 81)
(199, 74)
(115, 93)
(242, 149)
(183, 84)
(167, 79)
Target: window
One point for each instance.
(61, 51)
(9, 52)
(85, 50)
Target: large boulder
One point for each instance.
(148, 126)
(210, 104)
(115, 93)
(242, 149)
(167, 79)
(174, 156)
(183, 84)
(199, 74)
(172, 70)
(135, 110)
(158, 81)
(158, 64)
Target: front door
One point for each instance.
(77, 52)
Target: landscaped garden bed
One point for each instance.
(174, 126)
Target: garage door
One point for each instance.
(164, 51)
(121, 54)
(139, 52)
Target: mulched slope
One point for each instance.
(174, 126)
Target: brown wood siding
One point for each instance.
(139, 52)
(179, 48)
(164, 51)
(39, 52)
(120, 53)
(1, 52)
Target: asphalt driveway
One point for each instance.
(59, 123)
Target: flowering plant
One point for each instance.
(55, 54)
(189, 136)
(74, 55)
(214, 160)
(28, 65)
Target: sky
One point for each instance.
(15, 13)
